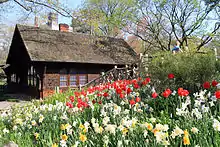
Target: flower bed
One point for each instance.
(122, 113)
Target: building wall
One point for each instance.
(92, 76)
(52, 74)
(51, 81)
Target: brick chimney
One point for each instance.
(64, 27)
(53, 21)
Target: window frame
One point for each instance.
(69, 74)
(86, 79)
(78, 79)
(73, 80)
(66, 81)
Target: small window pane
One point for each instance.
(63, 84)
(63, 80)
(73, 80)
(82, 79)
(73, 83)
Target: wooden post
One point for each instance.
(43, 77)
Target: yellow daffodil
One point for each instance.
(124, 131)
(54, 145)
(155, 131)
(84, 130)
(149, 126)
(81, 126)
(186, 140)
(36, 135)
(62, 127)
(101, 129)
(186, 133)
(82, 137)
(64, 137)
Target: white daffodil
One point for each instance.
(145, 133)
(74, 123)
(105, 120)
(15, 127)
(111, 128)
(177, 132)
(216, 125)
(5, 131)
(106, 140)
(63, 143)
(76, 144)
(119, 144)
(41, 118)
(194, 130)
(152, 119)
(18, 121)
(33, 123)
(64, 116)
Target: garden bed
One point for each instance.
(122, 113)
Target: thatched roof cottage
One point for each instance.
(40, 59)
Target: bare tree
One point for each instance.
(161, 22)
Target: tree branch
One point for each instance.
(53, 8)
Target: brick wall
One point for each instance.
(51, 81)
(92, 76)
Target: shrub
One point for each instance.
(190, 69)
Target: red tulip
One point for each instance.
(166, 93)
(170, 76)
(136, 86)
(183, 92)
(138, 99)
(148, 80)
(105, 94)
(71, 98)
(154, 95)
(93, 101)
(118, 91)
(132, 102)
(69, 104)
(122, 95)
(214, 83)
(129, 90)
(206, 85)
(217, 94)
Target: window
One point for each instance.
(82, 79)
(63, 78)
(73, 80)
(63, 81)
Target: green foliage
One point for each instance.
(109, 16)
(190, 69)
(61, 97)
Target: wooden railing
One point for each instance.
(128, 72)
(113, 75)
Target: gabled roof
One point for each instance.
(57, 46)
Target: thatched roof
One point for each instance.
(56, 46)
